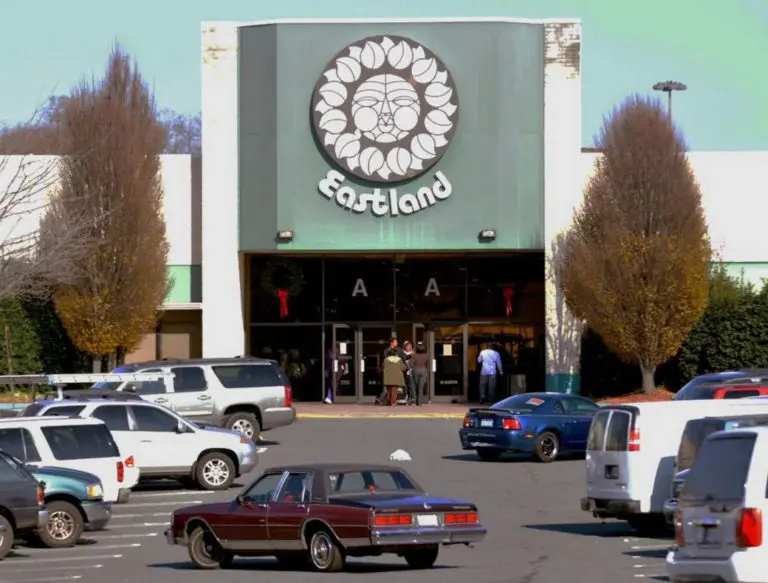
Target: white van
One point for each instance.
(73, 443)
(631, 452)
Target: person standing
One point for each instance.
(393, 374)
(419, 372)
(490, 365)
(407, 357)
(383, 398)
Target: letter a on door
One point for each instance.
(432, 288)
(359, 289)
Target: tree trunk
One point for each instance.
(649, 378)
(96, 364)
(111, 361)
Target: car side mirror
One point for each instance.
(181, 428)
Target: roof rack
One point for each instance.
(59, 380)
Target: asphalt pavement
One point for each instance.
(537, 533)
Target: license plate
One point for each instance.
(426, 519)
(707, 537)
(611, 472)
(486, 423)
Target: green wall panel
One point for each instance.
(186, 284)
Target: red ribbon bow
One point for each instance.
(508, 294)
(282, 295)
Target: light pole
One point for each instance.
(668, 87)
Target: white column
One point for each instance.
(223, 325)
(562, 186)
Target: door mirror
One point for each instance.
(181, 428)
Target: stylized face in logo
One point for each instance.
(385, 109)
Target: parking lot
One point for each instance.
(537, 533)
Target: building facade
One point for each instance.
(364, 179)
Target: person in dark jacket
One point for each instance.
(419, 372)
(407, 357)
(383, 398)
(393, 374)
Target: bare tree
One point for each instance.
(117, 182)
(183, 132)
(638, 263)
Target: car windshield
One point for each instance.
(359, 481)
(524, 403)
(112, 386)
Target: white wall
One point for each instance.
(734, 190)
(38, 174)
(223, 319)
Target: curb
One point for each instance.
(379, 416)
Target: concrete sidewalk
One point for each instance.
(371, 411)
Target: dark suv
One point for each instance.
(21, 503)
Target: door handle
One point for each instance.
(161, 400)
(204, 398)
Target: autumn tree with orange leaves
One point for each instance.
(112, 122)
(639, 253)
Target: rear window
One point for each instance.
(363, 481)
(596, 438)
(244, 376)
(740, 394)
(13, 471)
(617, 437)
(696, 431)
(720, 471)
(64, 411)
(523, 403)
(78, 442)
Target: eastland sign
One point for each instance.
(385, 110)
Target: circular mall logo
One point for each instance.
(385, 109)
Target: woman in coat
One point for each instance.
(393, 373)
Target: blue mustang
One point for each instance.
(543, 424)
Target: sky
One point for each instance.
(717, 48)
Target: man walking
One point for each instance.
(490, 365)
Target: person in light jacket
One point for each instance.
(393, 373)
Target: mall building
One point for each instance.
(363, 179)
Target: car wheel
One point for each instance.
(489, 455)
(215, 471)
(245, 423)
(547, 447)
(65, 525)
(324, 554)
(206, 552)
(6, 537)
(423, 558)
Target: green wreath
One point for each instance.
(294, 280)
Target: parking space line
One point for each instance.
(647, 575)
(15, 561)
(132, 535)
(143, 524)
(130, 505)
(76, 548)
(121, 516)
(49, 569)
(179, 493)
(650, 547)
(65, 578)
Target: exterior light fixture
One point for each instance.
(487, 235)
(668, 87)
(285, 236)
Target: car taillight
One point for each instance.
(461, 518)
(288, 394)
(120, 472)
(634, 440)
(40, 496)
(129, 463)
(511, 424)
(679, 534)
(393, 520)
(749, 530)
(467, 421)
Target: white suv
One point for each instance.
(77, 444)
(719, 527)
(166, 445)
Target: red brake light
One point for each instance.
(461, 518)
(120, 472)
(467, 421)
(129, 462)
(634, 440)
(288, 393)
(749, 531)
(393, 520)
(40, 496)
(512, 424)
(679, 534)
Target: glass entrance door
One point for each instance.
(449, 363)
(374, 341)
(344, 364)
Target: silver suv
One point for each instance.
(249, 395)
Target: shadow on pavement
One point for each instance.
(471, 457)
(266, 443)
(171, 486)
(598, 529)
(268, 564)
(648, 553)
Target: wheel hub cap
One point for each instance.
(321, 550)
(244, 427)
(61, 525)
(216, 472)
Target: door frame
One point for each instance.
(462, 396)
(356, 357)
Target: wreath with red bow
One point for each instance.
(282, 279)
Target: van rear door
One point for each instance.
(608, 463)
